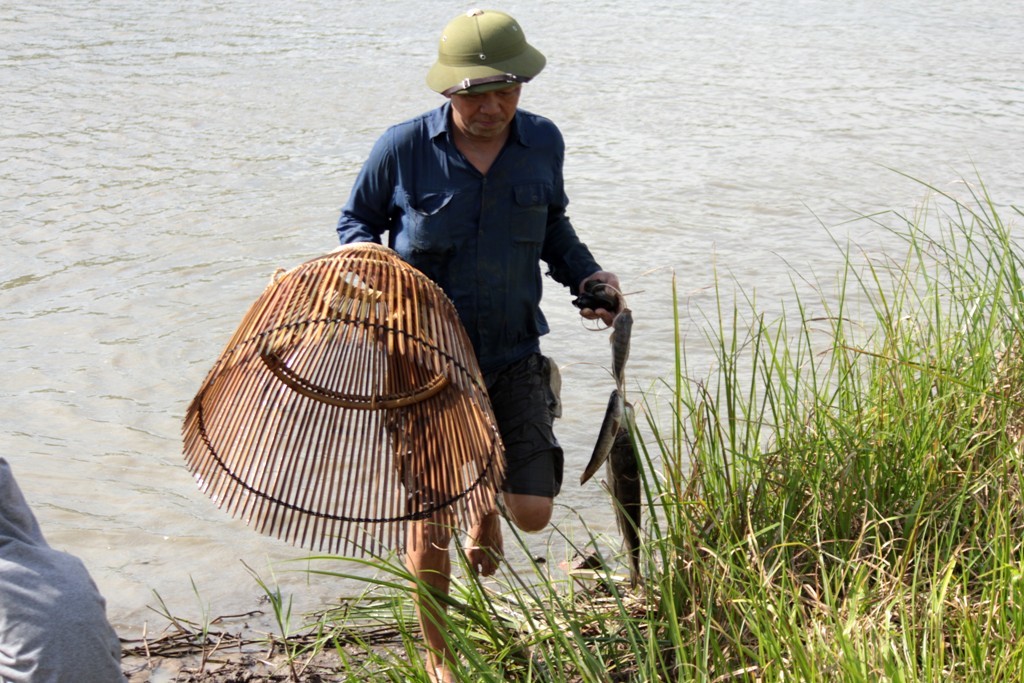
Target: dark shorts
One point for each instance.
(525, 405)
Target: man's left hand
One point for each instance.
(485, 551)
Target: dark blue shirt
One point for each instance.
(480, 237)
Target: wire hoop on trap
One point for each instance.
(348, 403)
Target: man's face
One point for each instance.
(485, 116)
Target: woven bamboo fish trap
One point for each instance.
(348, 403)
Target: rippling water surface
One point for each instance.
(159, 160)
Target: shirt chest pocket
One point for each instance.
(531, 202)
(427, 224)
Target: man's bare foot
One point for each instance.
(485, 548)
(440, 674)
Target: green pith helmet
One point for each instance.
(483, 50)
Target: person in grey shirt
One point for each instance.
(53, 623)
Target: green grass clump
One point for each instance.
(840, 500)
(853, 508)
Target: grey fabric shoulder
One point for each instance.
(53, 623)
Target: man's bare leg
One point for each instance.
(427, 559)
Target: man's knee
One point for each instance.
(529, 513)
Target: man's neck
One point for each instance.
(479, 151)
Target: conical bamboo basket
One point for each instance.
(348, 403)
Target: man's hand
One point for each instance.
(611, 282)
(485, 548)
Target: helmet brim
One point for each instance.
(525, 65)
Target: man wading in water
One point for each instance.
(472, 194)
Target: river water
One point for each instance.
(159, 160)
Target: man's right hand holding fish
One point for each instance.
(600, 297)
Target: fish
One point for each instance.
(606, 437)
(622, 330)
(623, 471)
(614, 448)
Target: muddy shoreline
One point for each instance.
(228, 650)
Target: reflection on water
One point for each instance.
(160, 162)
